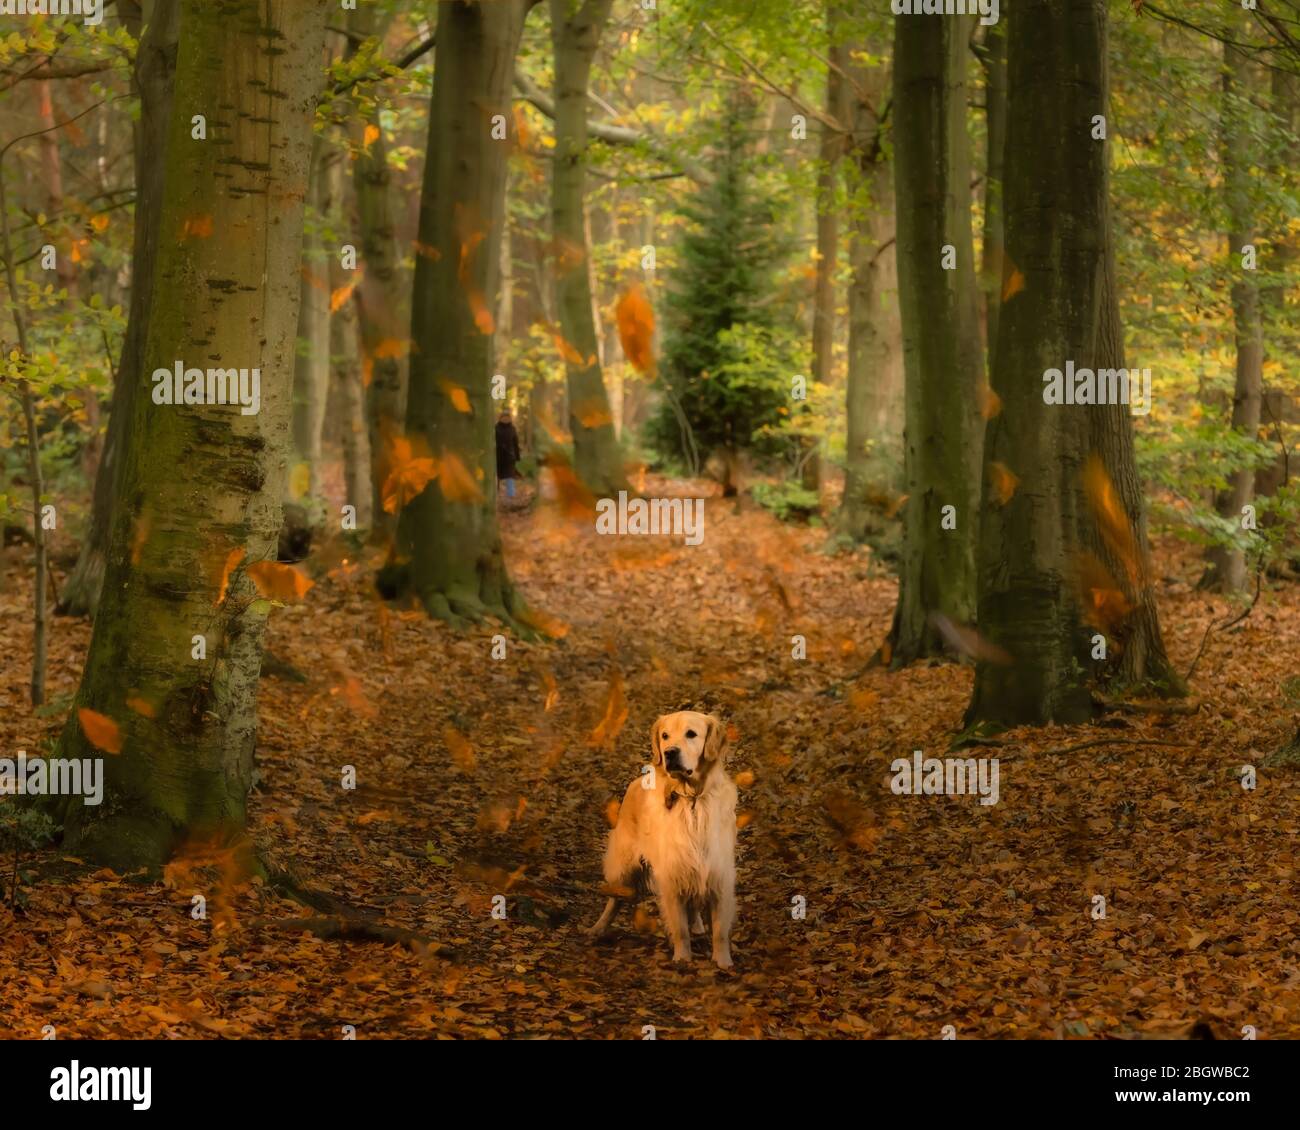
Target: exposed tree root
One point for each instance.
(1108, 741)
(1148, 707)
(345, 922)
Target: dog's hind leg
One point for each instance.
(607, 916)
(697, 923)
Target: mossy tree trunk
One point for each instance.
(155, 65)
(1227, 570)
(874, 386)
(576, 26)
(201, 484)
(995, 118)
(449, 531)
(1054, 553)
(941, 345)
(381, 299)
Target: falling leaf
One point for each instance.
(990, 402)
(233, 558)
(456, 394)
(1116, 529)
(276, 581)
(455, 480)
(744, 779)
(391, 348)
(543, 622)
(575, 500)
(411, 470)
(140, 534)
(1003, 482)
(592, 414)
(636, 328)
(615, 715)
(197, 227)
(369, 135)
(427, 251)
(351, 693)
(99, 223)
(483, 319)
(1013, 282)
(341, 294)
(101, 731)
(612, 809)
(569, 352)
(862, 699)
(462, 752)
(300, 480)
(141, 706)
(969, 642)
(552, 691)
(1105, 606)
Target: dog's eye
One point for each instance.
(665, 735)
(690, 733)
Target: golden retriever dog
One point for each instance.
(678, 821)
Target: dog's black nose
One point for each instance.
(672, 756)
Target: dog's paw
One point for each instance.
(697, 927)
(682, 958)
(722, 960)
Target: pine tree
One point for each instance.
(722, 372)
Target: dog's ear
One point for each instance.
(658, 753)
(715, 741)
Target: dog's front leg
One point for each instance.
(602, 923)
(723, 915)
(676, 921)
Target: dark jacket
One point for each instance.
(507, 450)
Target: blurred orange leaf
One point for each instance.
(636, 328)
(1004, 483)
(101, 731)
(455, 480)
(276, 581)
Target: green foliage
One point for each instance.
(788, 500)
(23, 828)
(729, 349)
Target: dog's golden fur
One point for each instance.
(679, 821)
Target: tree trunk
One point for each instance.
(311, 370)
(874, 388)
(941, 347)
(155, 66)
(828, 226)
(202, 483)
(1226, 570)
(1062, 549)
(830, 149)
(995, 114)
(449, 531)
(597, 460)
(381, 299)
(348, 393)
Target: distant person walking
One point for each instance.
(507, 452)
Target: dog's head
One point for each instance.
(688, 744)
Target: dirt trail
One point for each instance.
(479, 777)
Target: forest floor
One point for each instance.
(479, 777)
